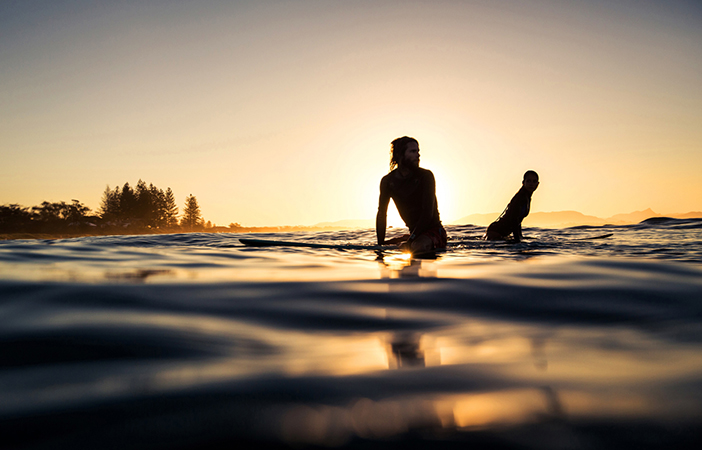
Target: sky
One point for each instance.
(282, 112)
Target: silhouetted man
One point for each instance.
(510, 221)
(413, 190)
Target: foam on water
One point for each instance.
(194, 341)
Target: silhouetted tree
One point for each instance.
(76, 211)
(143, 206)
(49, 212)
(127, 203)
(170, 211)
(109, 205)
(56, 216)
(15, 218)
(192, 218)
(158, 207)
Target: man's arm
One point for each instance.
(381, 217)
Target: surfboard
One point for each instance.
(595, 237)
(273, 243)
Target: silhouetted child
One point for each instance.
(510, 221)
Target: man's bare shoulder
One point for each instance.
(388, 179)
(425, 173)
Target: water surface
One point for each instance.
(194, 341)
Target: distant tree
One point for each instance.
(235, 225)
(192, 218)
(170, 212)
(146, 206)
(143, 206)
(158, 207)
(127, 203)
(209, 224)
(55, 216)
(76, 211)
(109, 204)
(48, 212)
(15, 218)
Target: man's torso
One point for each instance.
(412, 195)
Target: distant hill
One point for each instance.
(563, 219)
(554, 219)
(690, 215)
(634, 217)
(557, 219)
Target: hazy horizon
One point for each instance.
(534, 216)
(488, 218)
(281, 112)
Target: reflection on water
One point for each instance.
(508, 390)
(538, 351)
(331, 386)
(138, 275)
(333, 426)
(404, 348)
(405, 266)
(405, 351)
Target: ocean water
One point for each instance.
(189, 341)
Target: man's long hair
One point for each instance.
(397, 150)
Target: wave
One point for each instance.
(196, 341)
(509, 355)
(668, 222)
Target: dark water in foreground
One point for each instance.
(193, 341)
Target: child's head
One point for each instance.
(531, 180)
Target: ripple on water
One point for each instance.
(196, 341)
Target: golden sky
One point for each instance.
(281, 112)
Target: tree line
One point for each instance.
(140, 208)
